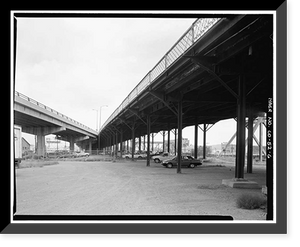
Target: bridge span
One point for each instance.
(221, 68)
(40, 120)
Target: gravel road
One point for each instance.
(131, 188)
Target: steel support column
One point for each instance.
(204, 140)
(260, 146)
(179, 149)
(240, 138)
(175, 141)
(116, 149)
(250, 142)
(133, 142)
(196, 140)
(163, 134)
(110, 144)
(152, 142)
(169, 139)
(148, 139)
(140, 143)
(121, 143)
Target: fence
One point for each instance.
(22, 96)
(87, 155)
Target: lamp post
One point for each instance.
(96, 119)
(100, 125)
(100, 115)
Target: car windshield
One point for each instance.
(189, 157)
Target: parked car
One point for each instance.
(135, 156)
(53, 155)
(186, 161)
(162, 157)
(82, 154)
(156, 153)
(18, 145)
(67, 154)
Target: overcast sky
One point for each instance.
(74, 65)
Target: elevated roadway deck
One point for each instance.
(221, 68)
(37, 119)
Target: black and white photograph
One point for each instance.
(138, 117)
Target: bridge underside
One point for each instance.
(228, 73)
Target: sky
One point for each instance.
(75, 65)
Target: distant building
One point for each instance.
(230, 149)
(25, 145)
(53, 144)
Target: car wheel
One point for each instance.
(140, 157)
(169, 165)
(192, 165)
(156, 160)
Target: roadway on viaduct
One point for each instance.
(221, 68)
(40, 120)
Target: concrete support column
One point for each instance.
(179, 150)
(99, 142)
(240, 138)
(90, 146)
(71, 140)
(40, 142)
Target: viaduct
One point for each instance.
(221, 68)
(40, 120)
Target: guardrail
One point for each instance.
(51, 110)
(197, 29)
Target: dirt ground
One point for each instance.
(131, 188)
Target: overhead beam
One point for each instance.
(45, 130)
(160, 98)
(209, 100)
(136, 114)
(199, 63)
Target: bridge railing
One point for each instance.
(197, 30)
(51, 110)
